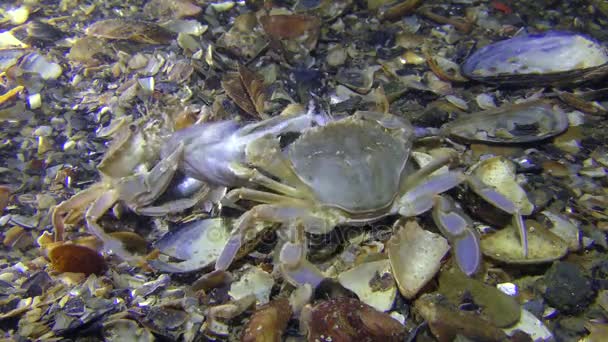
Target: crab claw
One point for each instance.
(458, 228)
(229, 252)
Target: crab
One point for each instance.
(129, 176)
(349, 171)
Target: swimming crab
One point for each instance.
(131, 173)
(350, 171)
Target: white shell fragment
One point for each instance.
(458, 102)
(499, 173)
(505, 246)
(253, 282)
(38, 64)
(565, 229)
(373, 283)
(485, 101)
(532, 326)
(423, 159)
(508, 289)
(415, 255)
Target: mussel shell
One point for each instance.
(513, 124)
(549, 58)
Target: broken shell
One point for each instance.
(358, 80)
(532, 326)
(446, 321)
(268, 322)
(551, 57)
(415, 255)
(512, 124)
(373, 283)
(137, 31)
(445, 69)
(198, 244)
(75, 258)
(171, 9)
(485, 101)
(499, 173)
(253, 282)
(126, 330)
(347, 319)
(36, 63)
(290, 26)
(505, 246)
(5, 195)
(565, 229)
(500, 309)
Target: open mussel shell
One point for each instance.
(543, 246)
(512, 124)
(198, 244)
(549, 58)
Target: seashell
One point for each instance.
(5, 195)
(347, 319)
(126, 330)
(36, 63)
(75, 258)
(543, 245)
(512, 124)
(446, 321)
(565, 228)
(360, 81)
(268, 322)
(137, 31)
(372, 282)
(497, 307)
(552, 57)
(415, 255)
(253, 282)
(532, 326)
(499, 174)
(291, 26)
(198, 244)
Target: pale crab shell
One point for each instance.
(351, 164)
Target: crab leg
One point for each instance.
(95, 211)
(270, 213)
(419, 176)
(458, 228)
(175, 206)
(238, 194)
(266, 154)
(255, 176)
(293, 264)
(78, 202)
(491, 195)
(420, 198)
(142, 189)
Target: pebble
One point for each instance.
(567, 288)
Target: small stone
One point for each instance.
(567, 289)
